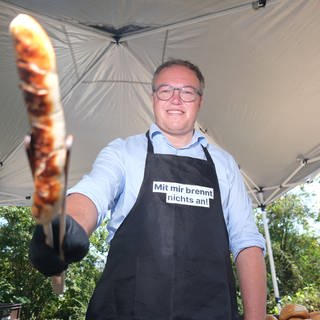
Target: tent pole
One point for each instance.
(270, 255)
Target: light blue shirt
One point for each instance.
(117, 174)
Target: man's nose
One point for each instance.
(176, 96)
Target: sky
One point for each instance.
(313, 187)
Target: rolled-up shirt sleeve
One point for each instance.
(237, 207)
(105, 181)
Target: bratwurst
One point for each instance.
(37, 70)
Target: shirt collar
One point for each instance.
(198, 137)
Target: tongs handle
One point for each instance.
(57, 280)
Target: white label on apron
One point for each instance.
(186, 194)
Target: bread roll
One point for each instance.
(292, 311)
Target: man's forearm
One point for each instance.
(83, 210)
(252, 277)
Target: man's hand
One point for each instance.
(46, 259)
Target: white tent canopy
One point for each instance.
(262, 70)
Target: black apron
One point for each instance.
(170, 259)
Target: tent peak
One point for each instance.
(118, 33)
(256, 4)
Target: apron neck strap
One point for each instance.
(207, 154)
(150, 146)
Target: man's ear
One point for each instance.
(200, 102)
(153, 96)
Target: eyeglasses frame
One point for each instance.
(155, 90)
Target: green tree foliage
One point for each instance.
(296, 250)
(21, 283)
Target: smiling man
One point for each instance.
(178, 209)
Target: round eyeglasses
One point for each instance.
(187, 94)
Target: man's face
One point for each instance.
(176, 117)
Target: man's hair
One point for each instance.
(179, 62)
